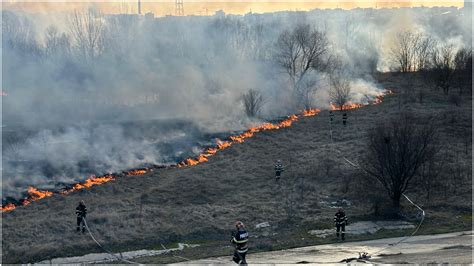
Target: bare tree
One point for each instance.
(463, 66)
(51, 39)
(404, 51)
(423, 52)
(395, 153)
(18, 33)
(299, 52)
(244, 40)
(253, 102)
(56, 44)
(443, 67)
(305, 93)
(87, 31)
(339, 90)
(412, 51)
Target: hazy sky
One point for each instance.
(193, 7)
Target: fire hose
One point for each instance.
(119, 258)
(365, 255)
(102, 247)
(122, 259)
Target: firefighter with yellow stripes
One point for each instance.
(340, 220)
(240, 239)
(278, 169)
(81, 212)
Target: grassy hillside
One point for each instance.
(200, 203)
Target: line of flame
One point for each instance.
(35, 194)
(221, 145)
(350, 106)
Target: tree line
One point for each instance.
(443, 65)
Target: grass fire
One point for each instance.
(35, 194)
(144, 132)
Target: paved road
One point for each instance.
(442, 248)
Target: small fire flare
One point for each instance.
(8, 207)
(137, 172)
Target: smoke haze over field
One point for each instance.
(139, 90)
(167, 7)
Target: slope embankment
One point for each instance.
(199, 204)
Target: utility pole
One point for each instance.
(139, 7)
(179, 8)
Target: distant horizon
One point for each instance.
(209, 8)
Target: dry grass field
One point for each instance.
(200, 203)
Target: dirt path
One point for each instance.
(442, 248)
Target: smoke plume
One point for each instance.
(149, 90)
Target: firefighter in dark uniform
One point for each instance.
(240, 239)
(340, 220)
(81, 212)
(278, 169)
(344, 118)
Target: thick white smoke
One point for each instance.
(153, 91)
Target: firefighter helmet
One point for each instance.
(239, 224)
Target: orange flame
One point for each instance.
(269, 126)
(211, 151)
(137, 172)
(35, 194)
(240, 138)
(8, 207)
(350, 106)
(379, 98)
(221, 145)
(203, 157)
(91, 181)
(190, 161)
(310, 112)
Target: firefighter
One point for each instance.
(344, 118)
(340, 220)
(240, 239)
(331, 116)
(278, 169)
(81, 212)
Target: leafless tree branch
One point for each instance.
(253, 102)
